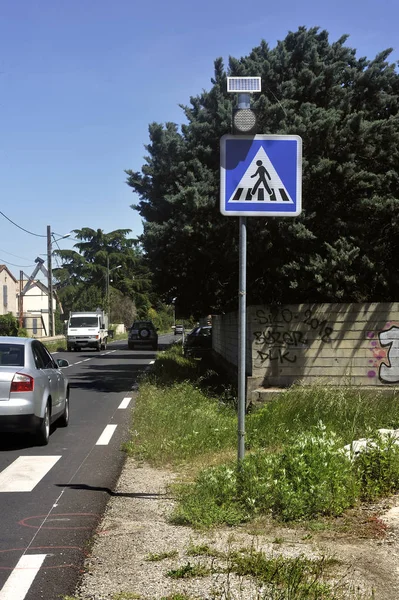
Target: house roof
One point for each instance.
(4, 268)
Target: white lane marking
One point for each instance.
(125, 403)
(78, 363)
(86, 359)
(106, 435)
(152, 362)
(26, 472)
(21, 578)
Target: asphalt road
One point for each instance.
(45, 531)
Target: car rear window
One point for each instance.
(12, 355)
(140, 324)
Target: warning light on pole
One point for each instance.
(244, 117)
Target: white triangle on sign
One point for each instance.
(261, 175)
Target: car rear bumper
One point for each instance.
(19, 423)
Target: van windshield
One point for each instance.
(83, 322)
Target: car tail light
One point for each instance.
(22, 383)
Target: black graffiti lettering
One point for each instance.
(278, 355)
(287, 338)
(326, 336)
(258, 336)
(286, 356)
(263, 319)
(271, 337)
(287, 315)
(308, 314)
(314, 323)
(262, 356)
(322, 325)
(299, 338)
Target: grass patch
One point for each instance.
(188, 571)
(161, 556)
(56, 346)
(295, 467)
(285, 578)
(351, 412)
(179, 422)
(202, 550)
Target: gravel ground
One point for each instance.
(135, 526)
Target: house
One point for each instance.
(35, 308)
(9, 291)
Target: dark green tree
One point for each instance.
(344, 245)
(82, 278)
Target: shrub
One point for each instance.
(377, 468)
(309, 477)
(8, 325)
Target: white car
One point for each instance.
(34, 392)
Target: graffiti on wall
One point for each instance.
(385, 354)
(278, 339)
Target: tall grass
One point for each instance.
(295, 466)
(177, 422)
(349, 411)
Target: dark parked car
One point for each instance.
(142, 333)
(198, 342)
(33, 390)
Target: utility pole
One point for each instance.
(50, 283)
(21, 299)
(107, 287)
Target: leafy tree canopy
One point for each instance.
(82, 278)
(345, 244)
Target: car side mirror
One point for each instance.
(61, 362)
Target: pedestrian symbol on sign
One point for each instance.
(268, 187)
(261, 173)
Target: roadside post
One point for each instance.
(260, 176)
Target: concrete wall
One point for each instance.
(342, 344)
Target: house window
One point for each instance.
(5, 296)
(34, 325)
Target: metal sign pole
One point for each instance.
(242, 322)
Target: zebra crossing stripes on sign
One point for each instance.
(261, 175)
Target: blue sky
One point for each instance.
(80, 80)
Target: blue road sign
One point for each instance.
(261, 175)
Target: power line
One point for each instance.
(11, 254)
(14, 265)
(19, 227)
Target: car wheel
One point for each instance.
(98, 347)
(43, 432)
(105, 344)
(64, 418)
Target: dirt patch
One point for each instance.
(365, 543)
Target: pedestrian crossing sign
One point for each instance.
(261, 175)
